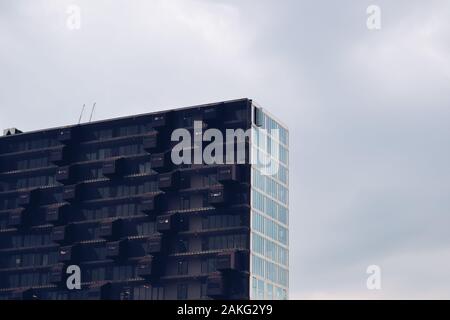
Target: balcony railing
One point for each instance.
(67, 253)
(57, 274)
(63, 234)
(217, 196)
(145, 268)
(59, 156)
(28, 198)
(72, 193)
(234, 260)
(116, 249)
(114, 168)
(159, 120)
(169, 181)
(25, 294)
(111, 229)
(160, 162)
(148, 205)
(228, 174)
(56, 213)
(167, 223)
(154, 245)
(150, 141)
(16, 217)
(211, 114)
(65, 174)
(216, 286)
(66, 135)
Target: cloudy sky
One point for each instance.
(368, 111)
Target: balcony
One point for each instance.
(210, 114)
(59, 156)
(65, 174)
(66, 253)
(62, 234)
(66, 135)
(160, 162)
(167, 223)
(235, 260)
(108, 291)
(57, 274)
(72, 193)
(216, 286)
(56, 213)
(151, 203)
(25, 294)
(115, 249)
(94, 293)
(159, 120)
(144, 268)
(228, 174)
(111, 229)
(113, 168)
(28, 198)
(150, 141)
(153, 245)
(217, 196)
(16, 218)
(106, 230)
(169, 181)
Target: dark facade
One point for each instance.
(105, 196)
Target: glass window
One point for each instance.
(104, 134)
(183, 245)
(254, 288)
(258, 244)
(210, 180)
(22, 165)
(145, 167)
(208, 265)
(225, 242)
(104, 153)
(282, 214)
(129, 130)
(158, 293)
(269, 291)
(182, 291)
(282, 235)
(182, 267)
(257, 266)
(203, 289)
(91, 155)
(260, 291)
(146, 228)
(185, 203)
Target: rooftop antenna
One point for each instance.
(92, 112)
(82, 110)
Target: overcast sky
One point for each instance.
(368, 111)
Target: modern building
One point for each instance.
(107, 198)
